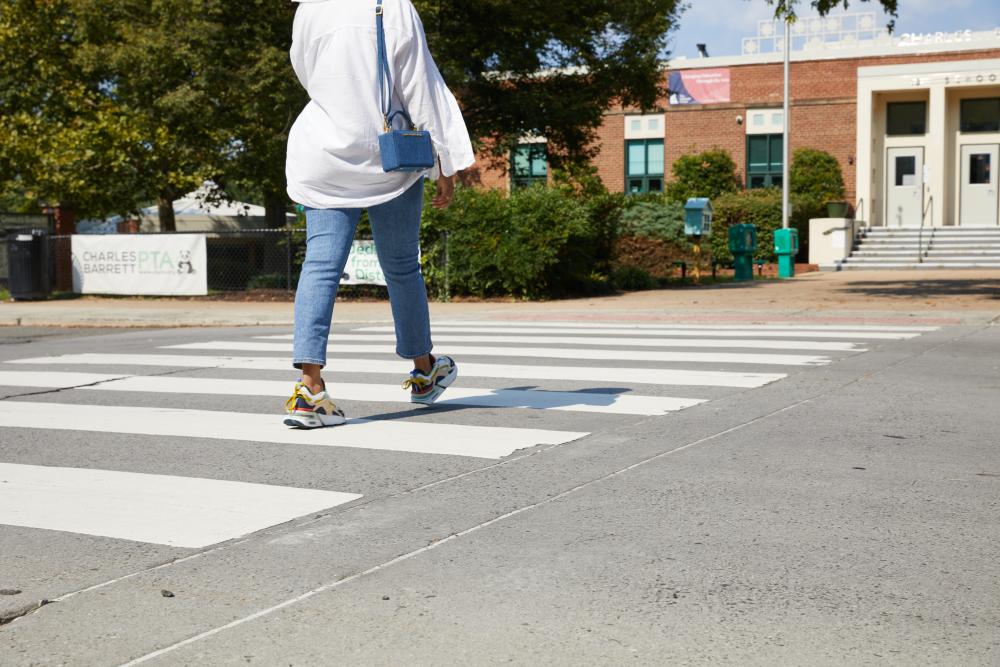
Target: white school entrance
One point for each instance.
(978, 191)
(928, 148)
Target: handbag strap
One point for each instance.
(385, 74)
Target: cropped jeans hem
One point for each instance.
(298, 362)
(416, 356)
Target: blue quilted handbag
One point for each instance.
(402, 150)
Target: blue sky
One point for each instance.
(722, 24)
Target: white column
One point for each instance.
(864, 155)
(937, 157)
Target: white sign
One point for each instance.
(362, 266)
(140, 264)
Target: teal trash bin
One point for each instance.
(786, 247)
(742, 244)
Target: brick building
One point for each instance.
(914, 121)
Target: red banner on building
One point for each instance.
(699, 86)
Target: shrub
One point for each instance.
(761, 208)
(549, 246)
(535, 243)
(632, 278)
(474, 224)
(708, 174)
(815, 174)
(655, 218)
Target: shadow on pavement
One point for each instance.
(543, 400)
(918, 289)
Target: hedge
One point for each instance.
(761, 208)
(538, 242)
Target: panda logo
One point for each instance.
(185, 266)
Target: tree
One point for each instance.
(706, 174)
(61, 142)
(260, 99)
(817, 175)
(548, 68)
(152, 60)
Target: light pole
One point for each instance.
(786, 129)
(786, 240)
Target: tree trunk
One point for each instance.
(165, 206)
(65, 225)
(274, 209)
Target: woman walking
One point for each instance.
(335, 169)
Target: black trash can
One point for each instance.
(28, 264)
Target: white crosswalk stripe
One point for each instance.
(755, 327)
(723, 343)
(536, 352)
(571, 401)
(491, 442)
(744, 334)
(194, 512)
(161, 509)
(336, 365)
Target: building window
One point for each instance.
(906, 118)
(764, 160)
(979, 169)
(529, 165)
(906, 171)
(982, 115)
(644, 165)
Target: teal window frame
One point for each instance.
(529, 165)
(764, 160)
(644, 175)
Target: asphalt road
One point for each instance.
(585, 494)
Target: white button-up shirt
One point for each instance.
(333, 156)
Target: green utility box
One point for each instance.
(742, 243)
(698, 217)
(786, 247)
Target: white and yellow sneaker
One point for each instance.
(308, 410)
(425, 389)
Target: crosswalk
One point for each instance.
(565, 381)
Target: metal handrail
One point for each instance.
(860, 207)
(928, 206)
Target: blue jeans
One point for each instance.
(329, 234)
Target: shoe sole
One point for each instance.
(311, 420)
(443, 383)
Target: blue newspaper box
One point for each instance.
(698, 216)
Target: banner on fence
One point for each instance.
(140, 264)
(700, 86)
(362, 266)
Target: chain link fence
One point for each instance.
(237, 260)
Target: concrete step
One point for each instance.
(901, 245)
(849, 265)
(935, 250)
(937, 230)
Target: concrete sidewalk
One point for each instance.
(877, 297)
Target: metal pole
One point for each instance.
(786, 136)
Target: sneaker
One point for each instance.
(308, 410)
(425, 389)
